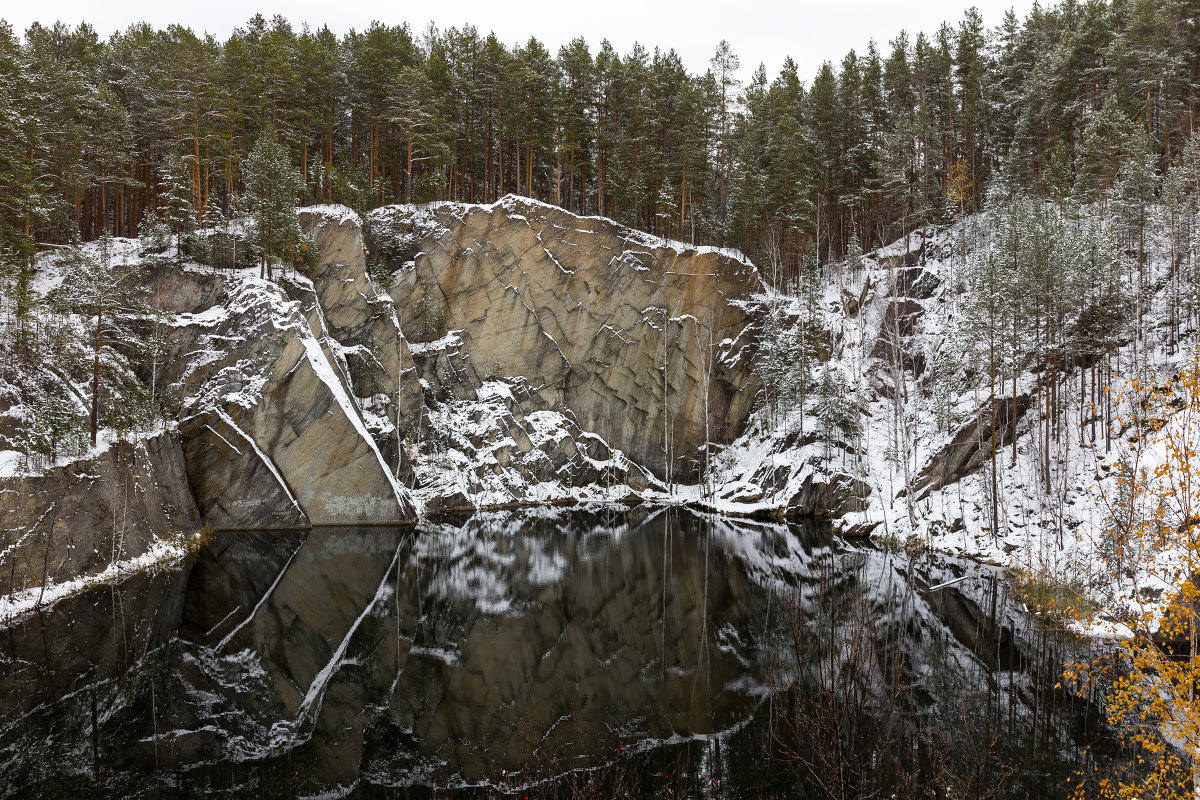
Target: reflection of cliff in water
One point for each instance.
(460, 652)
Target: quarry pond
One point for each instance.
(541, 653)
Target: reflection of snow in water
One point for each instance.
(429, 656)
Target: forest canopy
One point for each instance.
(889, 139)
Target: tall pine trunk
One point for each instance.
(94, 416)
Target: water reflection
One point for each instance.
(488, 651)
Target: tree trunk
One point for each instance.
(94, 418)
(408, 166)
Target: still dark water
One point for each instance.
(642, 653)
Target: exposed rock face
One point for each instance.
(301, 403)
(971, 446)
(273, 433)
(467, 443)
(597, 319)
(361, 319)
(74, 521)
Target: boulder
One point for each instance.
(971, 446)
(828, 497)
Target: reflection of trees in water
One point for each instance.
(841, 703)
(886, 689)
(575, 655)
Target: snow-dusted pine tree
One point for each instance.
(272, 188)
(102, 287)
(177, 212)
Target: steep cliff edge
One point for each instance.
(465, 357)
(363, 320)
(636, 339)
(273, 432)
(553, 358)
(303, 402)
(76, 520)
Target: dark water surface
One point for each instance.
(642, 653)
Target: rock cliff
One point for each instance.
(76, 520)
(638, 340)
(500, 355)
(362, 319)
(273, 433)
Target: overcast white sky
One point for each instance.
(811, 31)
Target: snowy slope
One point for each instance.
(891, 474)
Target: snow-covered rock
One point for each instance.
(362, 318)
(273, 432)
(112, 506)
(630, 336)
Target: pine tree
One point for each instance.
(155, 235)
(411, 110)
(782, 365)
(272, 186)
(876, 142)
(53, 427)
(725, 65)
(1132, 195)
(20, 195)
(103, 288)
(1109, 140)
(177, 212)
(575, 134)
(838, 417)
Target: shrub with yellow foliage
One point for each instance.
(1152, 560)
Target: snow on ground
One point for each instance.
(1054, 527)
(14, 464)
(334, 212)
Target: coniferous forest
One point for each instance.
(951, 377)
(897, 135)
